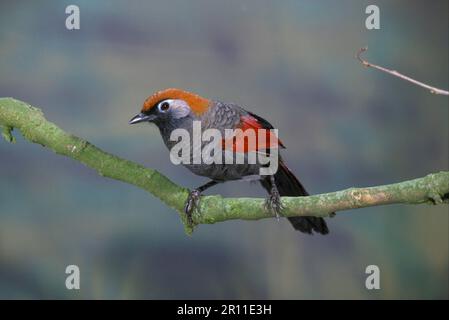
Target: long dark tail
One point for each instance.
(289, 185)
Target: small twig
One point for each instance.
(399, 75)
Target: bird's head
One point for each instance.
(169, 105)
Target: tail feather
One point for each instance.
(288, 185)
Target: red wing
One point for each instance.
(255, 134)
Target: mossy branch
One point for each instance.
(30, 121)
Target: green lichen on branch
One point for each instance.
(30, 121)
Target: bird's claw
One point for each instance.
(192, 203)
(273, 204)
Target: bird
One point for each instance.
(173, 108)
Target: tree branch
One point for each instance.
(397, 74)
(433, 188)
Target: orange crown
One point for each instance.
(197, 103)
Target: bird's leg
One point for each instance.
(273, 202)
(194, 199)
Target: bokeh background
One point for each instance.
(291, 62)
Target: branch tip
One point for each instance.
(7, 133)
(359, 56)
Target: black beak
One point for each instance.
(141, 117)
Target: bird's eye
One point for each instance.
(164, 106)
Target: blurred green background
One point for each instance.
(291, 62)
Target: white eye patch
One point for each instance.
(178, 108)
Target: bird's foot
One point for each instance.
(192, 203)
(273, 203)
